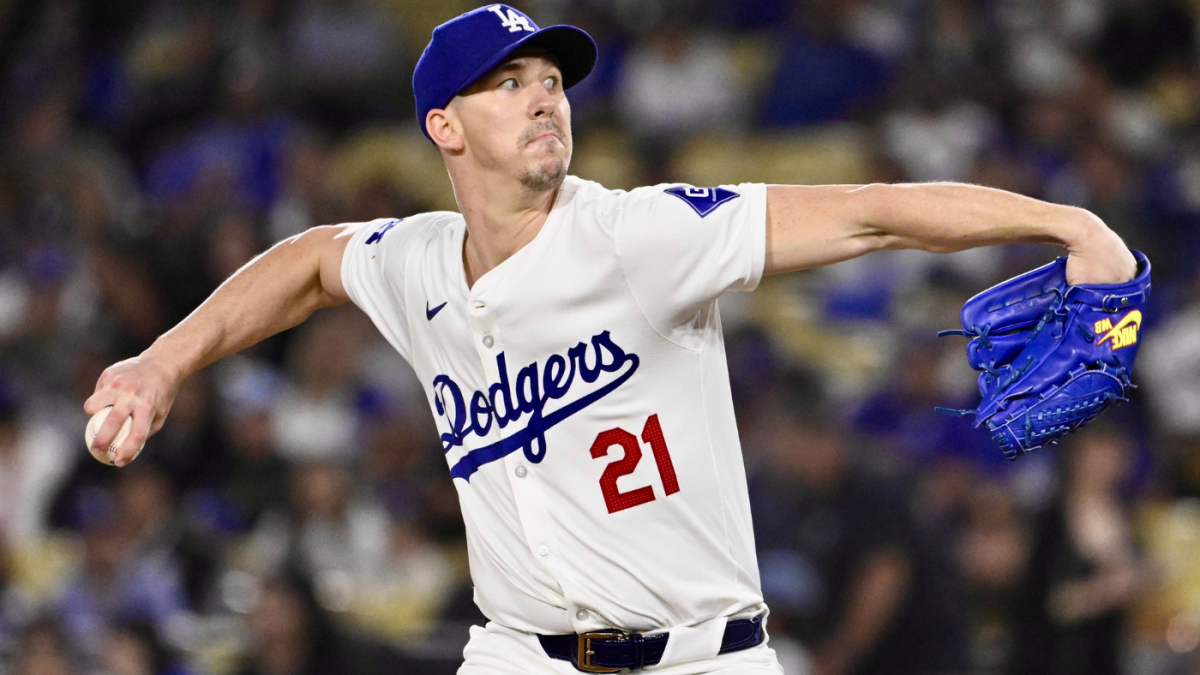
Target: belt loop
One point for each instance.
(639, 650)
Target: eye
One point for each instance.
(550, 82)
(510, 83)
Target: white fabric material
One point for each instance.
(694, 643)
(606, 321)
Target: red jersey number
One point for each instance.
(652, 434)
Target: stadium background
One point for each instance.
(295, 516)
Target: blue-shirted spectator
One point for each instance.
(821, 76)
(117, 581)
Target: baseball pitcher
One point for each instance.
(569, 344)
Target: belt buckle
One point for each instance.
(583, 656)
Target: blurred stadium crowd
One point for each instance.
(294, 516)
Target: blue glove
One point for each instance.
(1052, 356)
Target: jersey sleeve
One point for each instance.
(682, 247)
(373, 275)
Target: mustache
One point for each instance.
(539, 128)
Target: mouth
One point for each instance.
(543, 137)
(542, 132)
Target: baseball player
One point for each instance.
(568, 340)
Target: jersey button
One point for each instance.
(582, 615)
(488, 341)
(520, 471)
(544, 551)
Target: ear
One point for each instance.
(443, 127)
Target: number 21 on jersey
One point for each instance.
(651, 434)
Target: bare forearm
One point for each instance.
(809, 226)
(273, 292)
(276, 290)
(947, 217)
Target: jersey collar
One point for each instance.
(524, 256)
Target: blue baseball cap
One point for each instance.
(468, 46)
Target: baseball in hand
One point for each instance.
(94, 425)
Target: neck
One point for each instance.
(502, 217)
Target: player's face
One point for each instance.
(516, 120)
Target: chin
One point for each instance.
(546, 174)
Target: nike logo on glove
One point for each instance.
(1123, 334)
(430, 313)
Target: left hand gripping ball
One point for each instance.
(94, 425)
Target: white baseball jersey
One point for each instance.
(582, 396)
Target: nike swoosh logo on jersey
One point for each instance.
(430, 313)
(533, 391)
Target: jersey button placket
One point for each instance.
(483, 330)
(527, 491)
(530, 501)
(482, 324)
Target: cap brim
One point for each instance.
(573, 48)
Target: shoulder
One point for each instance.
(584, 194)
(585, 197)
(420, 225)
(385, 247)
(590, 194)
(392, 237)
(685, 199)
(672, 209)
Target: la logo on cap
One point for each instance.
(510, 19)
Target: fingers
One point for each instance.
(104, 395)
(112, 425)
(142, 415)
(134, 393)
(138, 433)
(114, 382)
(139, 390)
(108, 393)
(99, 401)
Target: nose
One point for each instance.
(544, 104)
